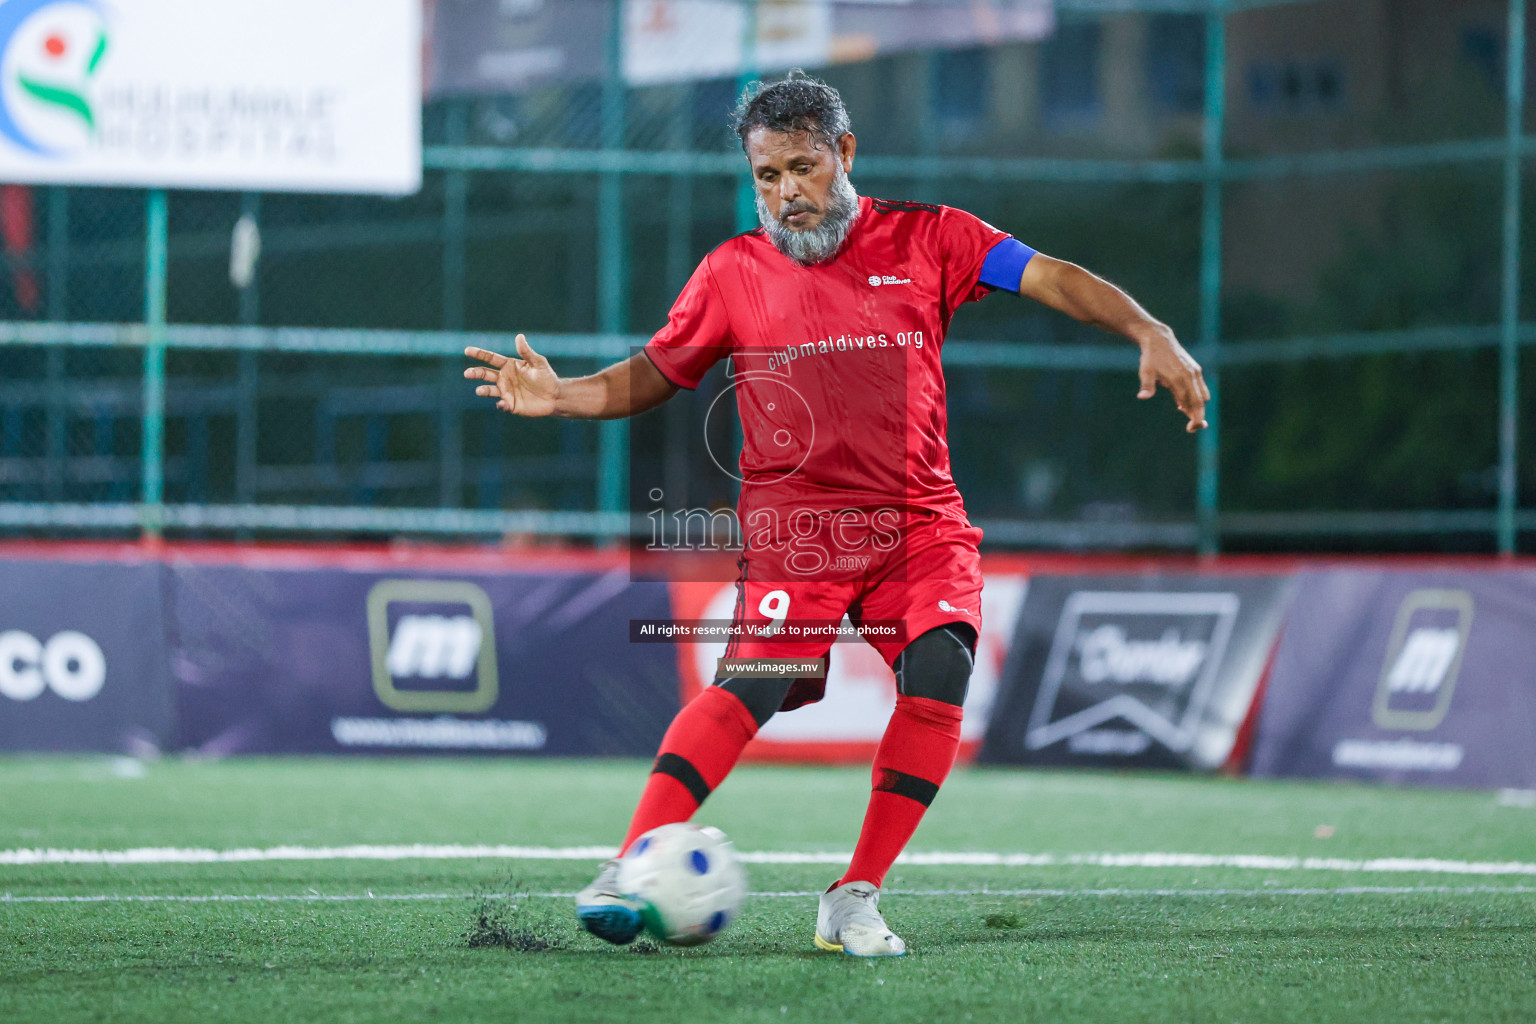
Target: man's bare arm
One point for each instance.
(526, 385)
(1093, 300)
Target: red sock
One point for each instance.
(915, 756)
(697, 753)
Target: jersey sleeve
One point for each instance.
(965, 241)
(697, 334)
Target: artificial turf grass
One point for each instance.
(75, 802)
(1422, 957)
(463, 879)
(1260, 956)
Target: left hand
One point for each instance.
(1164, 361)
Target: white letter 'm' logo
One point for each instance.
(454, 645)
(70, 663)
(434, 647)
(1426, 657)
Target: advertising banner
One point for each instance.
(489, 46)
(83, 658)
(296, 95)
(680, 40)
(331, 660)
(846, 725)
(1426, 678)
(1147, 671)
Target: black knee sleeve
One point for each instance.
(761, 696)
(937, 665)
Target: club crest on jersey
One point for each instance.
(876, 280)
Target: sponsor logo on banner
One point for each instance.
(306, 95)
(1146, 658)
(378, 653)
(50, 53)
(1418, 678)
(433, 646)
(1423, 661)
(70, 664)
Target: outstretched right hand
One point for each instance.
(523, 387)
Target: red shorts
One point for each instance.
(894, 579)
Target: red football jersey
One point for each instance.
(836, 366)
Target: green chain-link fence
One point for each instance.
(1324, 199)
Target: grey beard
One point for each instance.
(821, 243)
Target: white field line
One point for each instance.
(315, 897)
(1258, 862)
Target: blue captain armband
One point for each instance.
(1005, 264)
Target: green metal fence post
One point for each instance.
(56, 284)
(246, 382)
(930, 141)
(1509, 334)
(249, 312)
(679, 268)
(1207, 487)
(152, 453)
(56, 295)
(455, 221)
(746, 193)
(746, 199)
(450, 425)
(612, 269)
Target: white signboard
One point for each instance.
(282, 95)
(679, 40)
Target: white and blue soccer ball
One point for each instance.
(686, 881)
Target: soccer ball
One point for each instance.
(686, 881)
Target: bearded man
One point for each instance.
(833, 314)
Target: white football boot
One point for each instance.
(848, 922)
(604, 911)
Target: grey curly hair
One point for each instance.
(798, 103)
